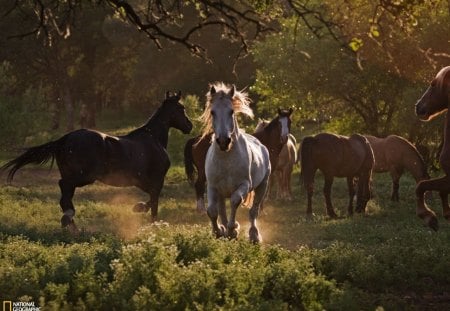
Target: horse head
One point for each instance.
(435, 100)
(223, 118)
(284, 117)
(177, 113)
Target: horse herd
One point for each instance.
(228, 163)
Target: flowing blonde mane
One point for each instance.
(441, 78)
(240, 102)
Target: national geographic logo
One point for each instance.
(19, 306)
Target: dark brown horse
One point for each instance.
(434, 101)
(337, 156)
(273, 136)
(395, 154)
(137, 159)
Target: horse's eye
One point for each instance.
(231, 112)
(213, 114)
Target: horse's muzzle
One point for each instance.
(421, 111)
(223, 142)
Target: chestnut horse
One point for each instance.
(273, 136)
(434, 101)
(395, 154)
(337, 156)
(137, 159)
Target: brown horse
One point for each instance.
(394, 154)
(434, 101)
(337, 156)
(274, 136)
(286, 161)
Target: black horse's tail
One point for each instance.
(306, 160)
(189, 160)
(35, 155)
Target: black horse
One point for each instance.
(137, 159)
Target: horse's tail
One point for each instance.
(189, 167)
(306, 160)
(35, 155)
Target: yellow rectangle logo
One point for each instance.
(7, 305)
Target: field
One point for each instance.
(385, 259)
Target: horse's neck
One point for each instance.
(271, 139)
(158, 129)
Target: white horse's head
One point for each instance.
(219, 115)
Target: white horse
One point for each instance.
(236, 162)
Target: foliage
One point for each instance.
(20, 115)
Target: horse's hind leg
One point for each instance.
(200, 191)
(351, 194)
(67, 193)
(260, 192)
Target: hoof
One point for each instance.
(254, 235)
(140, 207)
(221, 232)
(66, 220)
(432, 222)
(233, 231)
(68, 223)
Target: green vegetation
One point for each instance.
(344, 66)
(120, 261)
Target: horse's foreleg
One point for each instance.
(422, 210)
(363, 193)
(327, 193)
(237, 197)
(395, 174)
(67, 193)
(215, 202)
(152, 204)
(351, 194)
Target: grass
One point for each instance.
(386, 258)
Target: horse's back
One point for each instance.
(338, 155)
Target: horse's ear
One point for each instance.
(212, 91)
(179, 94)
(232, 91)
(279, 110)
(167, 94)
(291, 110)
